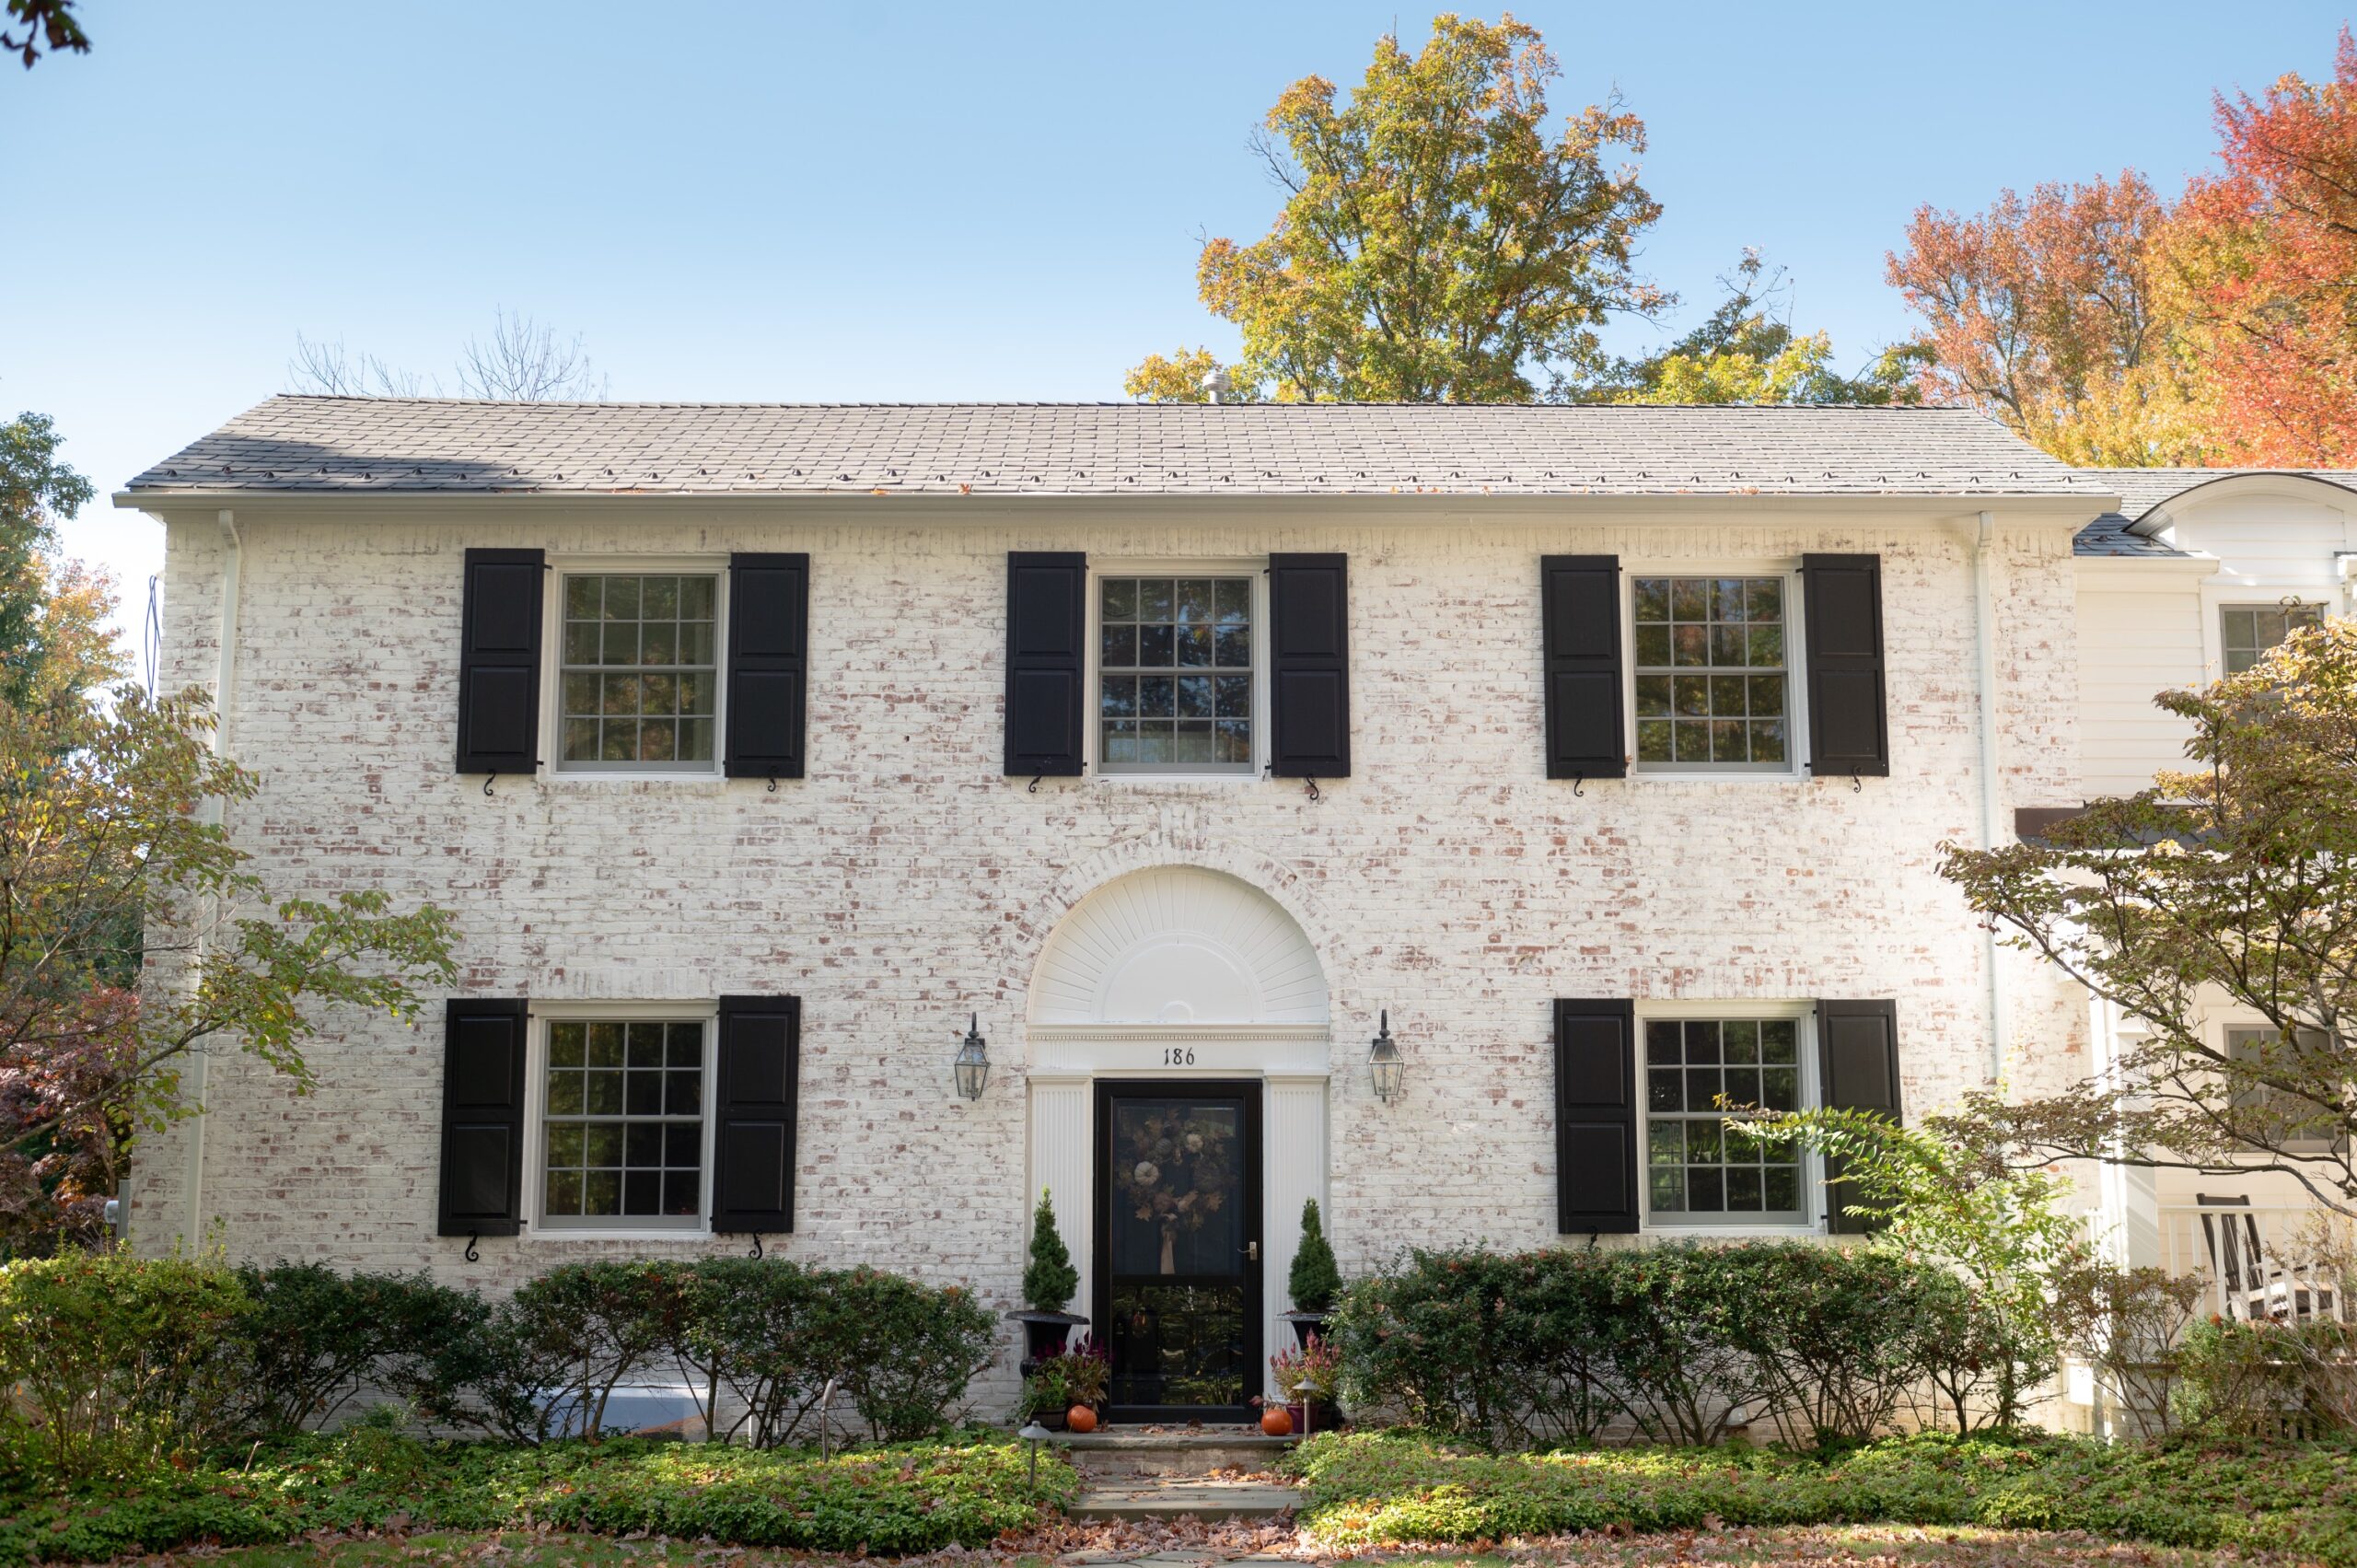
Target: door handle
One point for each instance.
(1252, 1251)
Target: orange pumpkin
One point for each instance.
(1276, 1420)
(1080, 1418)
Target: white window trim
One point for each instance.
(536, 1059)
(1812, 1166)
(1796, 666)
(552, 667)
(1254, 569)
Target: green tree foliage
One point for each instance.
(2233, 880)
(45, 22)
(37, 492)
(1441, 241)
(1314, 1281)
(1742, 352)
(1049, 1278)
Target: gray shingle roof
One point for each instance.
(2140, 490)
(2109, 535)
(347, 445)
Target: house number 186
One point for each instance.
(1178, 1056)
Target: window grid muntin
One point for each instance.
(2248, 633)
(626, 1133)
(1692, 1161)
(1176, 648)
(608, 621)
(1713, 671)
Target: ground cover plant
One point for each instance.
(963, 1490)
(1363, 1490)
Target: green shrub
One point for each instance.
(1049, 1278)
(551, 1354)
(756, 1327)
(1313, 1279)
(1676, 1341)
(318, 1339)
(904, 1352)
(120, 1362)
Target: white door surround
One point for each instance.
(1177, 971)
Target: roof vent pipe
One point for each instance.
(1216, 382)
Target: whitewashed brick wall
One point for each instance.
(905, 882)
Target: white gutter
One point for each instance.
(224, 685)
(1984, 623)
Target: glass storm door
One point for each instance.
(1179, 1248)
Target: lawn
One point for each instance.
(1376, 1489)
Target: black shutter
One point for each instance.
(1579, 600)
(1596, 1117)
(1046, 621)
(769, 645)
(1309, 666)
(1857, 1047)
(1848, 731)
(482, 1117)
(499, 662)
(753, 1105)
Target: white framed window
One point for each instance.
(636, 685)
(2247, 633)
(1714, 663)
(1178, 676)
(2263, 1046)
(1700, 1171)
(619, 1112)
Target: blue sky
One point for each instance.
(930, 201)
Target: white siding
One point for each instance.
(2137, 635)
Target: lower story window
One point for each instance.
(1698, 1166)
(624, 1133)
(2248, 633)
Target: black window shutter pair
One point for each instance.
(1580, 619)
(1047, 664)
(1598, 1091)
(753, 1105)
(499, 663)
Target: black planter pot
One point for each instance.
(1307, 1323)
(1044, 1334)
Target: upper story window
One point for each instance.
(2247, 633)
(1176, 673)
(1713, 677)
(622, 1136)
(1698, 1167)
(638, 682)
(2296, 1123)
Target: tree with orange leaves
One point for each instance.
(2049, 314)
(2267, 254)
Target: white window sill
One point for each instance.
(710, 781)
(636, 1237)
(1727, 1232)
(1221, 780)
(1714, 775)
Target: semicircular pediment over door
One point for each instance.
(1178, 945)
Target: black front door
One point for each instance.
(1179, 1248)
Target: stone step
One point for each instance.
(1123, 1453)
(1172, 1498)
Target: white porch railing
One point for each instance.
(2255, 1263)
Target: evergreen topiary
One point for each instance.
(1315, 1281)
(1049, 1278)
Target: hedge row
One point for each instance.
(1362, 1491)
(124, 1364)
(1676, 1344)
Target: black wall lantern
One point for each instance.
(972, 1066)
(1383, 1062)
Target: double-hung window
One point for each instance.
(2248, 633)
(1713, 671)
(1700, 1166)
(638, 681)
(1178, 672)
(622, 1135)
(2291, 1120)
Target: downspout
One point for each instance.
(1984, 620)
(224, 685)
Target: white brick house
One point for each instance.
(1179, 745)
